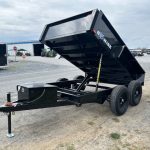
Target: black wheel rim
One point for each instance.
(137, 94)
(122, 103)
(123, 100)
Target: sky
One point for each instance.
(24, 20)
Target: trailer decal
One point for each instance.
(102, 37)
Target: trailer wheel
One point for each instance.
(78, 77)
(135, 93)
(62, 80)
(119, 100)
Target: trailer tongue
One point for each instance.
(90, 43)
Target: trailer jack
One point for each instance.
(9, 134)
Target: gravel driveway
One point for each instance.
(90, 127)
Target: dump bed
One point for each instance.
(83, 38)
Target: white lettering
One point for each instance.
(101, 36)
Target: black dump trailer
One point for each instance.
(90, 43)
(3, 55)
(37, 49)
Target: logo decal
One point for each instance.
(102, 37)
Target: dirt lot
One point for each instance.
(90, 127)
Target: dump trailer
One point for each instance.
(90, 43)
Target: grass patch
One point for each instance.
(124, 134)
(95, 117)
(115, 136)
(127, 145)
(91, 123)
(61, 145)
(116, 119)
(70, 147)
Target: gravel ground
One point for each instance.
(68, 128)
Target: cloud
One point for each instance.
(25, 20)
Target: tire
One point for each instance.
(119, 100)
(135, 92)
(62, 80)
(78, 77)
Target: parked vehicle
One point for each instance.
(148, 53)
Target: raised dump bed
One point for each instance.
(90, 43)
(81, 40)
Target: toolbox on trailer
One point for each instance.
(90, 43)
(33, 92)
